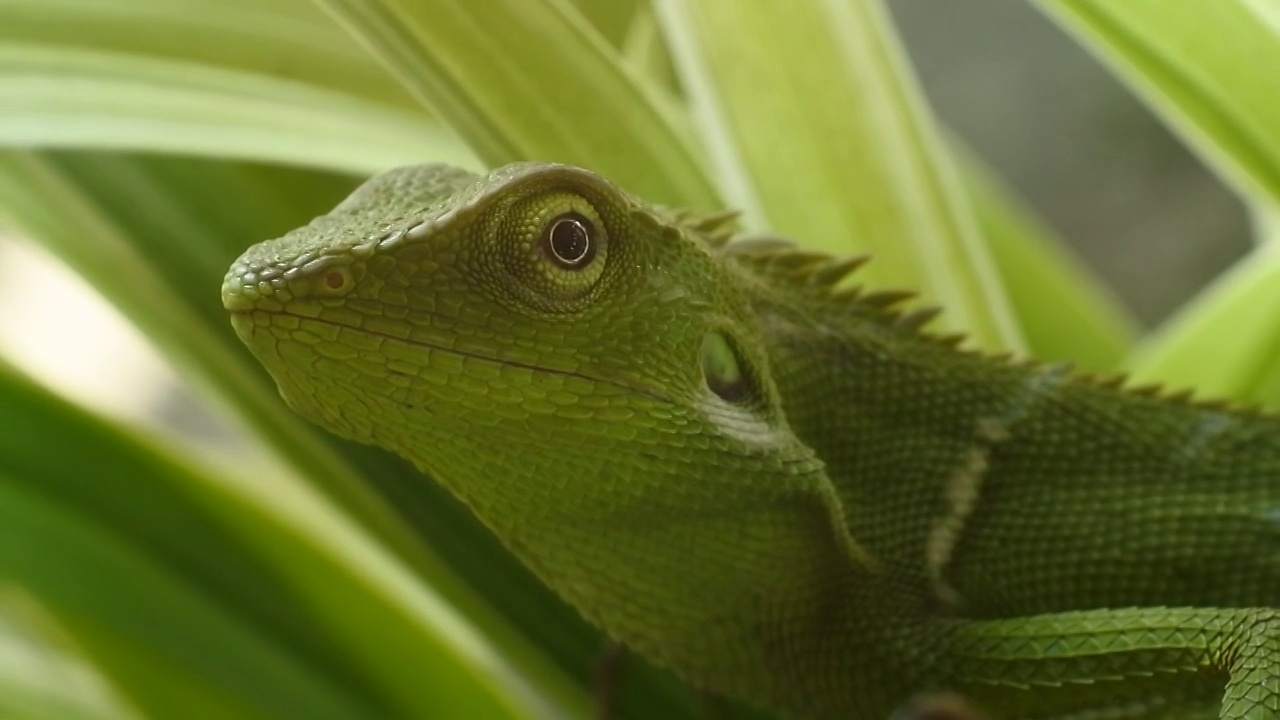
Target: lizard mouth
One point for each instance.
(242, 319)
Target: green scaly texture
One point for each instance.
(780, 487)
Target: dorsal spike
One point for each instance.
(846, 295)
(833, 270)
(758, 245)
(952, 339)
(917, 319)
(885, 299)
(797, 260)
(718, 228)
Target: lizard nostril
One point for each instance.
(335, 280)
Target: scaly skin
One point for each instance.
(782, 490)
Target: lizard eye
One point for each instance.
(554, 246)
(569, 241)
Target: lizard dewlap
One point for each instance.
(782, 489)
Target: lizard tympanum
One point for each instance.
(781, 488)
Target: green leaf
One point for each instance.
(816, 128)
(99, 236)
(43, 675)
(611, 18)
(1208, 69)
(1065, 312)
(531, 79)
(252, 592)
(170, 75)
(1224, 344)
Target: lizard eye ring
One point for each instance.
(568, 241)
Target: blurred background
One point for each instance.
(1089, 159)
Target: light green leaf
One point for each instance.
(610, 18)
(254, 593)
(43, 675)
(1224, 344)
(194, 77)
(44, 201)
(816, 128)
(1065, 312)
(1208, 69)
(539, 84)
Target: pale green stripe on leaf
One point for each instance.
(645, 50)
(43, 674)
(1226, 342)
(1211, 69)
(530, 79)
(275, 81)
(286, 39)
(44, 204)
(815, 126)
(71, 98)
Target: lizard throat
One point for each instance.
(246, 325)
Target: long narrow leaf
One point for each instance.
(1209, 69)
(269, 81)
(41, 199)
(843, 154)
(261, 593)
(43, 675)
(530, 79)
(1226, 342)
(1065, 313)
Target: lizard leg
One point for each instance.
(1140, 659)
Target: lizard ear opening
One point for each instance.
(723, 369)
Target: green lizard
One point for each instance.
(782, 489)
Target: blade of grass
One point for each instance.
(843, 155)
(1207, 68)
(531, 79)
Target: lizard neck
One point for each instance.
(742, 582)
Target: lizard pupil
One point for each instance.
(568, 241)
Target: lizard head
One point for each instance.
(580, 368)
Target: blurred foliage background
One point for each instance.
(1095, 164)
(186, 548)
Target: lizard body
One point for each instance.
(781, 488)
